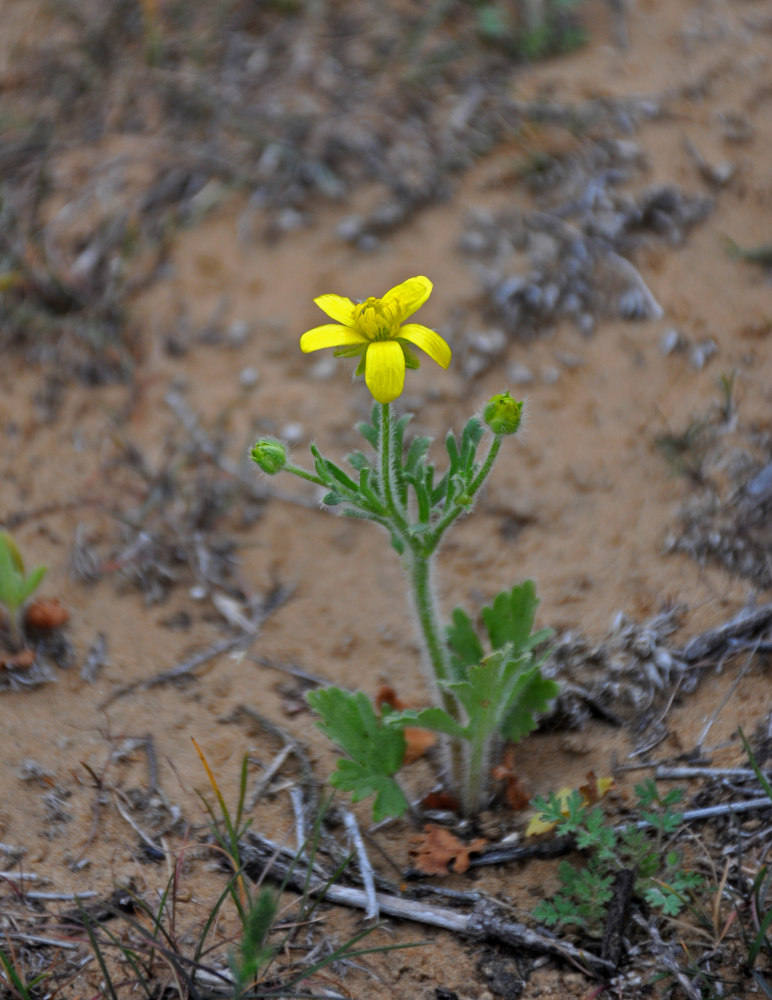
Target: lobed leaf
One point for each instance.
(376, 750)
(511, 617)
(465, 648)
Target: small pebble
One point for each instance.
(570, 360)
(518, 374)
(290, 219)
(350, 228)
(671, 340)
(197, 593)
(586, 324)
(248, 377)
(238, 333)
(324, 368)
(701, 353)
(293, 433)
(550, 375)
(490, 342)
(368, 242)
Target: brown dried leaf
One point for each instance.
(441, 801)
(515, 793)
(436, 849)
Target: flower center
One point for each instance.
(376, 320)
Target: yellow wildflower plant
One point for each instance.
(373, 330)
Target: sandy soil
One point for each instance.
(584, 501)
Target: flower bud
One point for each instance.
(502, 413)
(270, 455)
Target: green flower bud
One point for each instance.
(502, 413)
(270, 455)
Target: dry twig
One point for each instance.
(264, 858)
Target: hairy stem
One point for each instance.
(419, 571)
(418, 566)
(477, 766)
(388, 463)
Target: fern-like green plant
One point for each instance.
(661, 880)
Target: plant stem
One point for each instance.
(419, 572)
(388, 463)
(302, 474)
(477, 764)
(482, 475)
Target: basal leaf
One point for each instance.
(533, 698)
(376, 750)
(362, 782)
(510, 619)
(465, 648)
(490, 689)
(435, 719)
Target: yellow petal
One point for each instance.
(428, 341)
(337, 307)
(409, 296)
(385, 370)
(329, 335)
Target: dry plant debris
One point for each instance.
(437, 851)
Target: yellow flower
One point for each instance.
(372, 330)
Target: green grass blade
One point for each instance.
(97, 950)
(13, 977)
(759, 773)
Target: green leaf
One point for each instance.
(422, 499)
(491, 689)
(336, 473)
(533, 698)
(15, 587)
(416, 453)
(362, 782)
(646, 793)
(371, 431)
(7, 542)
(451, 446)
(376, 750)
(357, 460)
(435, 719)
(511, 617)
(397, 543)
(470, 438)
(31, 583)
(465, 648)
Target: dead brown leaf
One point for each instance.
(436, 850)
(515, 793)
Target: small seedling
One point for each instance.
(661, 880)
(15, 585)
(481, 697)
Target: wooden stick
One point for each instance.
(264, 858)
